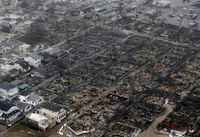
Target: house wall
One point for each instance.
(37, 121)
(13, 91)
(35, 124)
(61, 115)
(52, 117)
(51, 121)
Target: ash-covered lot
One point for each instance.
(111, 68)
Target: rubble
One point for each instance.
(112, 65)
(113, 112)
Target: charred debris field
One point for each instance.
(99, 68)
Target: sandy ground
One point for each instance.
(21, 130)
(151, 131)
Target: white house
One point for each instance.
(37, 120)
(8, 90)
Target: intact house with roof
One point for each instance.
(9, 113)
(53, 112)
(8, 90)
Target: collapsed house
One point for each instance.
(24, 107)
(46, 116)
(32, 99)
(107, 112)
(37, 121)
(54, 113)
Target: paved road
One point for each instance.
(152, 130)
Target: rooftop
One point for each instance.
(5, 105)
(7, 86)
(36, 117)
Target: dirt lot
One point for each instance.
(21, 131)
